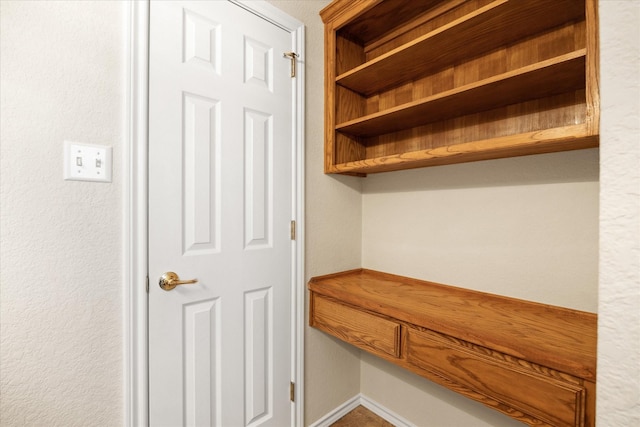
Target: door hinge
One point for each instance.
(293, 230)
(147, 285)
(292, 56)
(292, 391)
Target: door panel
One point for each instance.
(220, 203)
(258, 219)
(202, 387)
(201, 148)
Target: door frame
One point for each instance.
(135, 209)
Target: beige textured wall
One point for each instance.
(61, 68)
(525, 227)
(619, 298)
(333, 229)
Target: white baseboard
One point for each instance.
(371, 405)
(338, 412)
(385, 413)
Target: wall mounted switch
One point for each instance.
(87, 162)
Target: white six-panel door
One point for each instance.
(220, 203)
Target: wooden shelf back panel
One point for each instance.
(374, 21)
(442, 14)
(540, 115)
(553, 45)
(543, 141)
(567, 72)
(487, 28)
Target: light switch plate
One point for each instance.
(87, 162)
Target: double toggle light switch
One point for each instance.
(87, 162)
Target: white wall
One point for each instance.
(619, 299)
(61, 69)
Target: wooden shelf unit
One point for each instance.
(534, 362)
(412, 84)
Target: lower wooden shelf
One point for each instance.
(535, 142)
(534, 362)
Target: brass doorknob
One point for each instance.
(170, 280)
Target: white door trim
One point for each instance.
(135, 173)
(135, 221)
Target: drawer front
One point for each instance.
(546, 398)
(367, 331)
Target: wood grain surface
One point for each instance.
(404, 79)
(531, 361)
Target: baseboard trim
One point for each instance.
(338, 412)
(385, 413)
(371, 405)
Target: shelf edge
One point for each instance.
(537, 142)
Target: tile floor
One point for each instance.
(361, 417)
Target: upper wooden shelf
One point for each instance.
(484, 29)
(434, 82)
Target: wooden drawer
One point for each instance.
(369, 332)
(509, 384)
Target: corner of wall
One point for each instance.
(619, 297)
